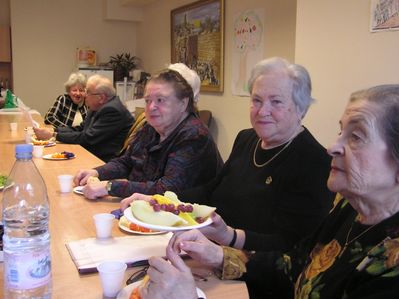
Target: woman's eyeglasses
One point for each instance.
(138, 275)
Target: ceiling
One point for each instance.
(137, 3)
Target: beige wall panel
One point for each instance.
(45, 35)
(334, 42)
(231, 114)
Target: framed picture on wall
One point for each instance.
(384, 15)
(197, 39)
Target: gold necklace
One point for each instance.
(347, 242)
(272, 158)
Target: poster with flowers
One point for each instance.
(247, 48)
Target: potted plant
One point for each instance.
(122, 64)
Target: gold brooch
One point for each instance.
(269, 180)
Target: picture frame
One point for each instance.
(197, 40)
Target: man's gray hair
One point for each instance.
(102, 85)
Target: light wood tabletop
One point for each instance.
(71, 219)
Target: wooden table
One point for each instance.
(71, 219)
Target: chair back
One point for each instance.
(205, 116)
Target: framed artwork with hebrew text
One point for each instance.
(197, 39)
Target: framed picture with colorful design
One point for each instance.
(197, 39)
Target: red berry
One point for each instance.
(156, 207)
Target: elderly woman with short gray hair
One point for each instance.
(353, 254)
(273, 186)
(69, 109)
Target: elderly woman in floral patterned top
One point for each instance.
(353, 254)
(172, 151)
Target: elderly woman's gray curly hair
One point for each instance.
(75, 79)
(302, 85)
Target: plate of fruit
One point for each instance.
(133, 228)
(45, 143)
(167, 213)
(59, 156)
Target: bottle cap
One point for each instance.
(23, 151)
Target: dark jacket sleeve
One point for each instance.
(104, 125)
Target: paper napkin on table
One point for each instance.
(134, 250)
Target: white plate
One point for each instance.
(128, 230)
(129, 215)
(49, 157)
(127, 290)
(78, 190)
(51, 143)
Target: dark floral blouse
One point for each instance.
(342, 259)
(188, 157)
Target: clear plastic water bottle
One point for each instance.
(26, 240)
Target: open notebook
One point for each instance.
(134, 250)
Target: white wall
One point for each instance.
(230, 113)
(334, 43)
(45, 35)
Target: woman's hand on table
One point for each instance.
(169, 279)
(198, 247)
(125, 203)
(95, 190)
(83, 175)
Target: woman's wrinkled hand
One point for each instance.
(95, 190)
(218, 231)
(198, 247)
(83, 175)
(170, 279)
(125, 203)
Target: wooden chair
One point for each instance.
(205, 116)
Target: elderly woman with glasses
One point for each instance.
(69, 109)
(172, 151)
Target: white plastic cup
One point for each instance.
(13, 127)
(103, 222)
(65, 182)
(28, 135)
(38, 151)
(112, 274)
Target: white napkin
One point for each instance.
(88, 253)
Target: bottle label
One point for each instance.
(27, 271)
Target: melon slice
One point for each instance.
(143, 211)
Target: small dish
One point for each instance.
(50, 157)
(127, 290)
(78, 190)
(123, 222)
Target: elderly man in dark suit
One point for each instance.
(105, 127)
